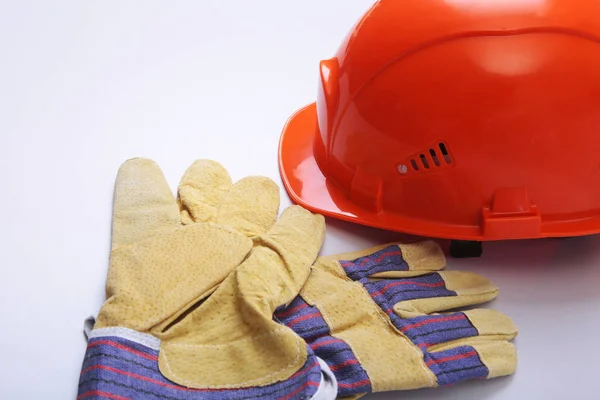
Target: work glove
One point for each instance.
(192, 286)
(380, 319)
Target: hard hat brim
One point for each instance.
(303, 179)
(308, 187)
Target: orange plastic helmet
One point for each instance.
(471, 120)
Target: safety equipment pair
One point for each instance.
(472, 120)
(211, 296)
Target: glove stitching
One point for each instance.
(386, 320)
(389, 323)
(191, 384)
(331, 326)
(228, 343)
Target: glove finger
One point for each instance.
(296, 238)
(437, 292)
(477, 360)
(201, 191)
(434, 332)
(143, 202)
(393, 260)
(251, 206)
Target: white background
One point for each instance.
(85, 85)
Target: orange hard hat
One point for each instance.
(461, 119)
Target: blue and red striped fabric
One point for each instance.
(308, 322)
(387, 259)
(118, 368)
(450, 366)
(456, 365)
(427, 331)
(392, 291)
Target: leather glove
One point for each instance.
(380, 319)
(191, 289)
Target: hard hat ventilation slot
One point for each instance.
(424, 161)
(435, 157)
(445, 153)
(414, 165)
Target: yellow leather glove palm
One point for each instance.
(192, 286)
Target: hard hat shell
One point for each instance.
(462, 119)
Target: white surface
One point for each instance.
(85, 85)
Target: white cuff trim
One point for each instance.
(328, 388)
(126, 333)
